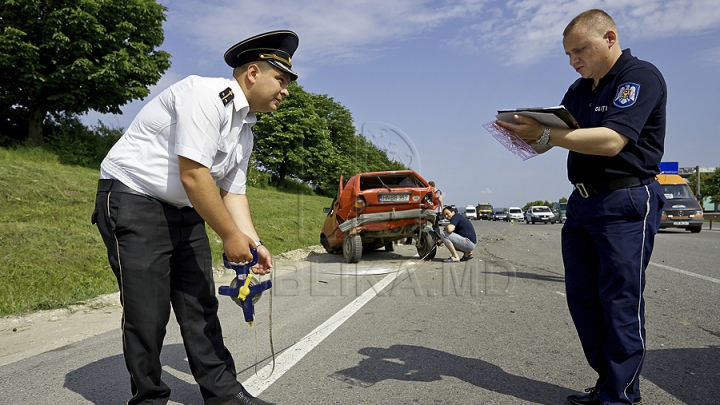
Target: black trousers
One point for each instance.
(160, 255)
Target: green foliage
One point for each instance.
(311, 138)
(709, 185)
(76, 144)
(537, 202)
(75, 55)
(52, 256)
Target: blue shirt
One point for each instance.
(463, 227)
(631, 100)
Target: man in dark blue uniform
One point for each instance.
(614, 212)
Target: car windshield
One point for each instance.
(541, 209)
(390, 181)
(515, 211)
(676, 191)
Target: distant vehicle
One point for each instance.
(500, 216)
(484, 210)
(515, 214)
(374, 209)
(560, 211)
(539, 213)
(682, 209)
(470, 213)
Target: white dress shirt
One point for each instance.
(187, 119)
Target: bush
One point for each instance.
(75, 144)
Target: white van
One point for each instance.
(470, 212)
(515, 214)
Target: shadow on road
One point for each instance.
(416, 363)
(690, 375)
(107, 381)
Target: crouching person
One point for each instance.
(458, 236)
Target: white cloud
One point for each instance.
(524, 31)
(337, 29)
(513, 32)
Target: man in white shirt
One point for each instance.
(158, 188)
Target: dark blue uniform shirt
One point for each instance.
(630, 99)
(463, 227)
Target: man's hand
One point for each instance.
(237, 248)
(264, 261)
(526, 128)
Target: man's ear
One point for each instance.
(611, 37)
(253, 70)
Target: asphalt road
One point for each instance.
(395, 330)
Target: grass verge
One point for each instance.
(51, 256)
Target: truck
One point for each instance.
(484, 210)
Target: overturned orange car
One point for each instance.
(372, 210)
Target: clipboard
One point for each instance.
(557, 116)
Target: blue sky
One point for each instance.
(421, 77)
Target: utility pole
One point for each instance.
(697, 183)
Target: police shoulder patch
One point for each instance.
(627, 95)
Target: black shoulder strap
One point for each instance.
(227, 96)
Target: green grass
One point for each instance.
(51, 256)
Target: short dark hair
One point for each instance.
(594, 20)
(449, 208)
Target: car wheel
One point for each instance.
(426, 247)
(352, 248)
(696, 229)
(389, 247)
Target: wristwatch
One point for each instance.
(545, 137)
(258, 243)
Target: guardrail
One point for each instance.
(711, 216)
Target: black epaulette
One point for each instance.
(227, 96)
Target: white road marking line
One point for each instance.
(687, 273)
(257, 384)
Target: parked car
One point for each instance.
(539, 213)
(500, 216)
(515, 214)
(371, 210)
(560, 211)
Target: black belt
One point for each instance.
(587, 190)
(116, 186)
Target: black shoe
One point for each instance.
(242, 398)
(592, 398)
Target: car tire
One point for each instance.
(352, 248)
(696, 229)
(389, 247)
(426, 246)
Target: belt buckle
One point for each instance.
(582, 190)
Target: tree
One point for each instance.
(72, 56)
(293, 142)
(311, 138)
(709, 185)
(536, 202)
